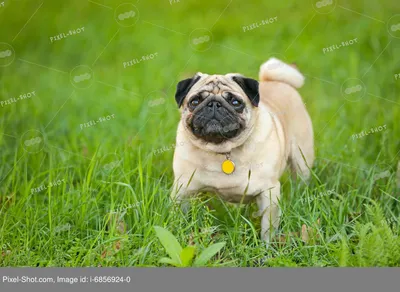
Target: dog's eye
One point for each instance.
(235, 102)
(195, 101)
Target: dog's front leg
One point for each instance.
(268, 207)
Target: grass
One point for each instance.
(96, 215)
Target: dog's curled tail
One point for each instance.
(276, 70)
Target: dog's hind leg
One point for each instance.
(301, 157)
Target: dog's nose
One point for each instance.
(214, 104)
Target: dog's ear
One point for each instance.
(250, 87)
(183, 88)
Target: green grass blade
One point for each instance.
(208, 253)
(170, 243)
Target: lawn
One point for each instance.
(88, 121)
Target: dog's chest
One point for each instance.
(248, 178)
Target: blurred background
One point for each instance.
(160, 34)
(83, 79)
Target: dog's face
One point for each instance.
(218, 111)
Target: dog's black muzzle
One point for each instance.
(215, 121)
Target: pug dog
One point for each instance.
(236, 136)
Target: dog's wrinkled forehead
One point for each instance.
(215, 84)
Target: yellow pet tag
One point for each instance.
(228, 167)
